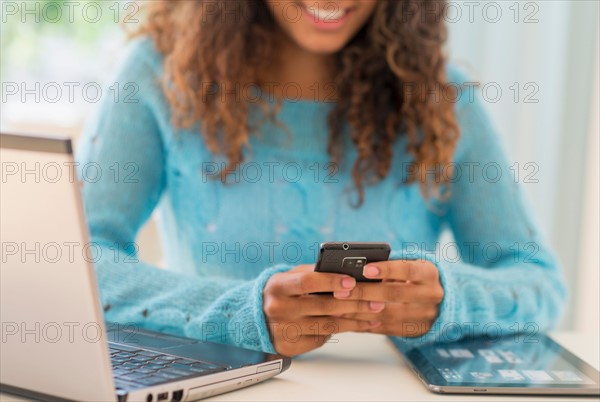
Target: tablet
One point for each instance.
(509, 365)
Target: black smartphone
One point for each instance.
(350, 258)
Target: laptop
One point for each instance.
(55, 343)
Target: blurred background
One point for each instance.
(536, 62)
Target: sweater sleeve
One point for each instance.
(506, 279)
(122, 170)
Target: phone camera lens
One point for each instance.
(345, 246)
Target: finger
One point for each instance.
(317, 326)
(302, 283)
(417, 271)
(303, 268)
(299, 345)
(316, 305)
(325, 326)
(408, 329)
(395, 292)
(399, 312)
(320, 305)
(365, 316)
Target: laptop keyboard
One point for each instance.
(133, 367)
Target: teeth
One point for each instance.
(321, 14)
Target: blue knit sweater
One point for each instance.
(223, 242)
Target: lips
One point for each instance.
(326, 14)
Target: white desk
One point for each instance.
(364, 367)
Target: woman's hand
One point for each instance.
(409, 296)
(299, 321)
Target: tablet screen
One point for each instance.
(525, 362)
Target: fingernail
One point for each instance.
(374, 324)
(376, 306)
(371, 271)
(348, 283)
(342, 294)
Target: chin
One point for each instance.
(324, 49)
(325, 46)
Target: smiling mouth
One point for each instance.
(326, 14)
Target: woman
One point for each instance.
(261, 128)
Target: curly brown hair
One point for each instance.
(388, 82)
